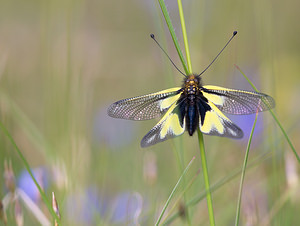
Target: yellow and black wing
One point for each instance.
(145, 107)
(151, 106)
(217, 124)
(171, 125)
(238, 102)
(230, 101)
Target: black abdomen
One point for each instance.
(192, 118)
(192, 109)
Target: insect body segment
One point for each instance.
(191, 102)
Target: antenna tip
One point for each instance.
(152, 36)
(234, 33)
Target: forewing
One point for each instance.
(144, 107)
(171, 125)
(238, 102)
(217, 124)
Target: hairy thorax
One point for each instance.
(191, 87)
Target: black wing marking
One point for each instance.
(144, 107)
(238, 102)
(217, 124)
(171, 125)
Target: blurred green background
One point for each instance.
(63, 62)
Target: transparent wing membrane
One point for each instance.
(144, 107)
(238, 102)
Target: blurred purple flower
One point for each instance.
(112, 132)
(86, 207)
(26, 183)
(127, 208)
(245, 122)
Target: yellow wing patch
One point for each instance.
(216, 99)
(166, 103)
(169, 126)
(212, 122)
(216, 88)
(216, 123)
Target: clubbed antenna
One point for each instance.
(234, 33)
(153, 37)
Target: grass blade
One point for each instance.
(26, 164)
(219, 184)
(180, 153)
(172, 193)
(185, 40)
(275, 118)
(182, 195)
(200, 135)
(206, 179)
(243, 172)
(172, 32)
(189, 71)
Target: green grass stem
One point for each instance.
(195, 200)
(274, 116)
(172, 32)
(237, 218)
(200, 135)
(173, 192)
(180, 162)
(26, 164)
(28, 126)
(206, 179)
(182, 194)
(185, 40)
(180, 153)
(189, 71)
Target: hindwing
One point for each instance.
(216, 123)
(171, 125)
